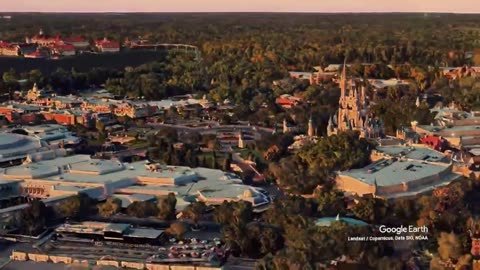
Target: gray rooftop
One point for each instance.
(394, 172)
(411, 152)
(144, 233)
(116, 227)
(81, 171)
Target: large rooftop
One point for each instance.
(453, 131)
(412, 152)
(17, 146)
(140, 177)
(389, 172)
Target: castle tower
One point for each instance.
(343, 80)
(363, 98)
(310, 131)
(353, 110)
(331, 129)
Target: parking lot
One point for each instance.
(186, 251)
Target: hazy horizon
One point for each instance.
(270, 6)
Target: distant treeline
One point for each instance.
(81, 63)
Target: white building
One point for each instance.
(52, 134)
(15, 147)
(54, 174)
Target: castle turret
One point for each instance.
(343, 80)
(363, 98)
(310, 131)
(330, 126)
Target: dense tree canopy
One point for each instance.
(313, 165)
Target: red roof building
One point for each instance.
(106, 45)
(288, 101)
(63, 49)
(44, 40)
(436, 142)
(77, 42)
(9, 49)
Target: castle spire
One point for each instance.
(343, 79)
(310, 131)
(363, 97)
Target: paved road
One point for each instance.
(16, 265)
(212, 129)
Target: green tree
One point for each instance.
(330, 203)
(77, 207)
(142, 209)
(111, 207)
(166, 207)
(194, 212)
(178, 229)
(34, 217)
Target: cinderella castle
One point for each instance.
(353, 111)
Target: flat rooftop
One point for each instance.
(389, 172)
(101, 228)
(15, 144)
(74, 173)
(450, 131)
(412, 152)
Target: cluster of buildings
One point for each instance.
(454, 73)
(87, 109)
(454, 131)
(421, 157)
(319, 75)
(412, 162)
(44, 46)
(54, 174)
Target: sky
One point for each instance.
(458, 6)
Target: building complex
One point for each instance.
(52, 174)
(399, 171)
